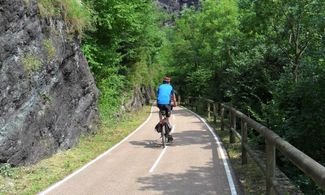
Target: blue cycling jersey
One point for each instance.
(164, 94)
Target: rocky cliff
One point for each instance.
(141, 96)
(177, 5)
(47, 94)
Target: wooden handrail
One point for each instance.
(309, 166)
(306, 164)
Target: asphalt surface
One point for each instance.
(192, 164)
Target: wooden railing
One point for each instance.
(273, 142)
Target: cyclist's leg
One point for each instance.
(160, 109)
(168, 113)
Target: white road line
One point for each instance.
(161, 155)
(222, 153)
(96, 159)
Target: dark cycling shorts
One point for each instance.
(165, 108)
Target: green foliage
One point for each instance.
(196, 81)
(123, 49)
(111, 95)
(264, 57)
(45, 97)
(201, 44)
(293, 32)
(47, 8)
(76, 15)
(6, 170)
(31, 62)
(49, 48)
(298, 112)
(26, 3)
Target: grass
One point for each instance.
(31, 62)
(249, 176)
(75, 14)
(47, 8)
(26, 3)
(35, 178)
(49, 49)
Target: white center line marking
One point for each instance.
(161, 155)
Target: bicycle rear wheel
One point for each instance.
(163, 136)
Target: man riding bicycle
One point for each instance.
(165, 94)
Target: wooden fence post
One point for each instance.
(232, 138)
(214, 113)
(270, 167)
(222, 119)
(243, 142)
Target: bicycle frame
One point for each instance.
(163, 130)
(163, 133)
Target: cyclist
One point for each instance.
(165, 95)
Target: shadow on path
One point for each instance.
(181, 112)
(189, 137)
(206, 179)
(154, 144)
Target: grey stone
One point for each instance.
(46, 108)
(141, 96)
(178, 5)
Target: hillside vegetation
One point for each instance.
(122, 48)
(121, 40)
(264, 57)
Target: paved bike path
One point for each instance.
(192, 164)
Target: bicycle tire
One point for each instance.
(163, 136)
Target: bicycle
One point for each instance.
(164, 125)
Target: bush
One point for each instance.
(6, 170)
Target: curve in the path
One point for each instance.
(195, 163)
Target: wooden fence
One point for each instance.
(273, 142)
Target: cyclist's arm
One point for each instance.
(157, 95)
(174, 100)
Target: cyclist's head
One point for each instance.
(166, 80)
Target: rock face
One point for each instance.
(177, 5)
(141, 96)
(47, 94)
